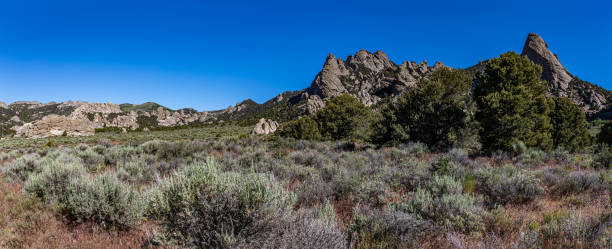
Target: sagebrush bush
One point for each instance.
(509, 185)
(387, 229)
(561, 229)
(310, 228)
(22, 167)
(577, 182)
(90, 158)
(103, 200)
(603, 157)
(375, 192)
(201, 207)
(444, 203)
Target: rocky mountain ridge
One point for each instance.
(35, 119)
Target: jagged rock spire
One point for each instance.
(537, 51)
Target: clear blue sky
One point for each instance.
(209, 55)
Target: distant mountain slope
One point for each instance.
(146, 107)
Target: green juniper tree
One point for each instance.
(569, 125)
(344, 117)
(304, 128)
(512, 105)
(438, 112)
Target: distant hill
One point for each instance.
(146, 107)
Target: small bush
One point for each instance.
(509, 185)
(22, 167)
(387, 229)
(103, 200)
(375, 192)
(578, 182)
(603, 157)
(500, 222)
(203, 208)
(90, 158)
(445, 204)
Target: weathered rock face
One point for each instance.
(265, 126)
(3, 105)
(537, 51)
(54, 125)
(370, 77)
(560, 82)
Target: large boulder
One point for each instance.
(265, 126)
(54, 125)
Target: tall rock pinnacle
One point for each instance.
(552, 71)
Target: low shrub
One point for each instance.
(375, 192)
(103, 200)
(387, 229)
(578, 182)
(444, 203)
(22, 167)
(508, 185)
(201, 207)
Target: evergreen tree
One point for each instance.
(304, 128)
(512, 105)
(438, 112)
(343, 117)
(569, 125)
(605, 135)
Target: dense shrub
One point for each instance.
(603, 157)
(201, 207)
(22, 167)
(89, 157)
(512, 104)
(103, 200)
(562, 229)
(311, 228)
(527, 156)
(605, 135)
(373, 191)
(578, 182)
(387, 229)
(444, 203)
(508, 185)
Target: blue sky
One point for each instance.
(209, 55)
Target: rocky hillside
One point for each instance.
(369, 76)
(34, 119)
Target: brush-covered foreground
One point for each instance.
(164, 191)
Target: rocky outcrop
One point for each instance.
(560, 82)
(3, 105)
(54, 125)
(368, 76)
(265, 126)
(103, 108)
(536, 50)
